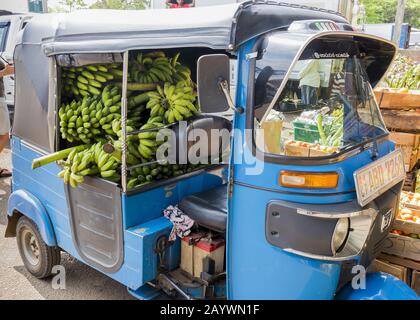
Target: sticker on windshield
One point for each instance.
(331, 55)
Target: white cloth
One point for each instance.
(325, 69)
(4, 117)
(309, 75)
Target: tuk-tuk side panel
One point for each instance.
(95, 214)
(141, 210)
(276, 274)
(31, 105)
(144, 223)
(44, 184)
(140, 245)
(138, 208)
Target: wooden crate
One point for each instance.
(308, 151)
(402, 246)
(410, 181)
(408, 226)
(404, 121)
(392, 99)
(410, 145)
(415, 281)
(398, 271)
(296, 151)
(411, 264)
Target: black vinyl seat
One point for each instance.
(208, 209)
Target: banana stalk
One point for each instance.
(59, 155)
(141, 86)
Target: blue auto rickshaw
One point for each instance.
(305, 199)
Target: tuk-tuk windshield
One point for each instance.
(326, 105)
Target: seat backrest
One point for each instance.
(201, 137)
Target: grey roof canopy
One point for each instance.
(217, 27)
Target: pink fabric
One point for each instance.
(182, 223)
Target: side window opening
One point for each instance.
(4, 29)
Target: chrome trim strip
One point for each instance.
(368, 212)
(324, 258)
(31, 146)
(309, 194)
(53, 94)
(123, 123)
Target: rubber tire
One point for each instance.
(48, 257)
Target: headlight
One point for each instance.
(340, 235)
(333, 232)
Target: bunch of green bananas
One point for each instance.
(109, 163)
(78, 121)
(93, 113)
(146, 174)
(104, 159)
(152, 67)
(91, 162)
(173, 102)
(152, 172)
(88, 80)
(181, 72)
(84, 120)
(78, 165)
(133, 157)
(147, 139)
(96, 116)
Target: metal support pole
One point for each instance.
(343, 7)
(124, 123)
(349, 10)
(399, 19)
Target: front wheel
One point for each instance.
(37, 256)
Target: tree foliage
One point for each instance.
(121, 4)
(384, 11)
(71, 5)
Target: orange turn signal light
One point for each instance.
(315, 180)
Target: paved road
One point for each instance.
(82, 282)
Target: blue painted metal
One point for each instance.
(254, 267)
(152, 202)
(144, 209)
(140, 242)
(379, 286)
(28, 205)
(145, 292)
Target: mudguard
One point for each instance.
(27, 204)
(379, 286)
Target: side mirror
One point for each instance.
(212, 69)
